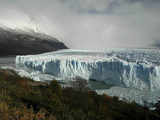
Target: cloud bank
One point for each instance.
(88, 24)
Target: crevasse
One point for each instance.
(105, 67)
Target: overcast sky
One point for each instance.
(88, 24)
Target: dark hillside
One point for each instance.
(17, 42)
(25, 99)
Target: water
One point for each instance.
(7, 61)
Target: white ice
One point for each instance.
(137, 68)
(134, 73)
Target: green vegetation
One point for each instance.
(24, 99)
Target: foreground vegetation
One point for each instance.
(24, 99)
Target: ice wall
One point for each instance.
(111, 70)
(144, 98)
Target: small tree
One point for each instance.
(55, 87)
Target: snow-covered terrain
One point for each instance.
(134, 70)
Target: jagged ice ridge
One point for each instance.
(130, 68)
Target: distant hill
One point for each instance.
(19, 42)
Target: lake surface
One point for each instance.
(7, 61)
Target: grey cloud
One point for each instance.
(88, 24)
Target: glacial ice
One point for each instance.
(142, 97)
(128, 68)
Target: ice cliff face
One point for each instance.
(136, 68)
(142, 97)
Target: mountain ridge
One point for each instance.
(22, 42)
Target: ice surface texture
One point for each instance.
(142, 97)
(132, 68)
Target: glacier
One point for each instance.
(127, 68)
(142, 97)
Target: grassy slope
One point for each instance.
(24, 99)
